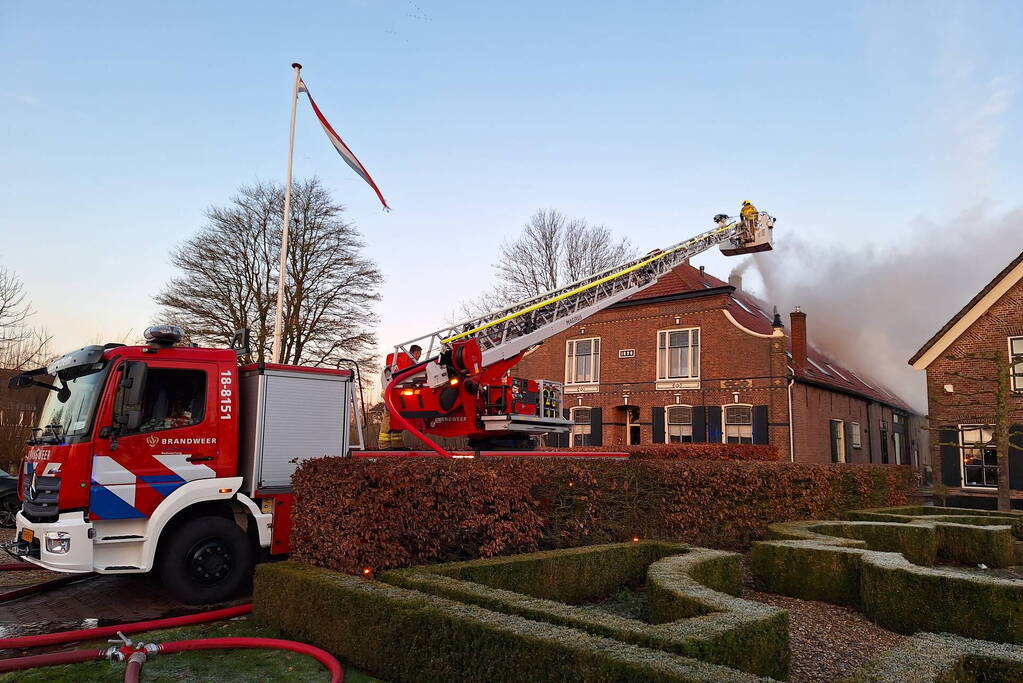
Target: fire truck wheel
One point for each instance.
(209, 559)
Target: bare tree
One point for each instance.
(229, 268)
(551, 251)
(21, 344)
(988, 390)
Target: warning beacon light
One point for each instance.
(164, 335)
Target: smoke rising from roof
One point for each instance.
(872, 308)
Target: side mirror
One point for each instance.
(128, 402)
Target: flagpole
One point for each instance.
(282, 271)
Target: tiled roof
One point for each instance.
(757, 316)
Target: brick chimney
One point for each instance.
(797, 327)
(736, 281)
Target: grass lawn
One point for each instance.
(223, 666)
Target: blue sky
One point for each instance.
(849, 121)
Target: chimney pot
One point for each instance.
(735, 280)
(777, 323)
(797, 322)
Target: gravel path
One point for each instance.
(828, 642)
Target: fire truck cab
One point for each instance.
(171, 459)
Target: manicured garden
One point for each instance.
(560, 569)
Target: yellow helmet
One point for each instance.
(745, 202)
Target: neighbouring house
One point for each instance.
(694, 358)
(960, 385)
(19, 410)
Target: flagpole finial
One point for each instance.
(296, 65)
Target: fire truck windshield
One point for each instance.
(71, 420)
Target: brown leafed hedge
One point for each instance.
(686, 451)
(353, 514)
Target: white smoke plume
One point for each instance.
(873, 308)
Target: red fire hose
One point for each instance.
(62, 637)
(337, 673)
(19, 565)
(50, 659)
(136, 655)
(400, 419)
(44, 586)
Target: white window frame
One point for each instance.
(682, 425)
(1015, 369)
(962, 460)
(842, 455)
(577, 430)
(725, 424)
(662, 360)
(856, 433)
(570, 361)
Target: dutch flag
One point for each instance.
(341, 147)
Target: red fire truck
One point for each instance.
(172, 458)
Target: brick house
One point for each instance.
(693, 358)
(961, 409)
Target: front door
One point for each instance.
(632, 425)
(175, 443)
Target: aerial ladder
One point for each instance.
(463, 386)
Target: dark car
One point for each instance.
(9, 503)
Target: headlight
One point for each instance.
(58, 542)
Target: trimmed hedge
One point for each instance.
(911, 513)
(351, 514)
(943, 658)
(822, 562)
(686, 451)
(404, 635)
(725, 630)
(573, 575)
(903, 597)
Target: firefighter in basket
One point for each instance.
(749, 220)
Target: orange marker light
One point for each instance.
(225, 490)
(635, 539)
(571, 483)
(453, 381)
(407, 392)
(367, 571)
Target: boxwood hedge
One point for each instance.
(853, 563)
(690, 591)
(943, 658)
(406, 635)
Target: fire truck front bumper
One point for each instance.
(61, 546)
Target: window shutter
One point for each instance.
(713, 424)
(1016, 457)
(833, 433)
(948, 451)
(596, 427)
(699, 424)
(848, 442)
(760, 424)
(657, 420)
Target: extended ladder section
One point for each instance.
(505, 332)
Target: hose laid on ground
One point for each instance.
(61, 637)
(136, 655)
(50, 659)
(20, 565)
(44, 586)
(337, 673)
